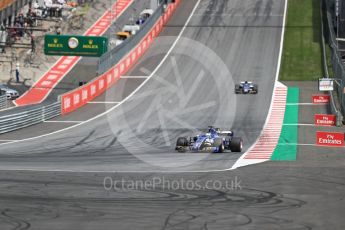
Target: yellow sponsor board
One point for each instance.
(53, 45)
(90, 46)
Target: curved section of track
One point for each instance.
(245, 35)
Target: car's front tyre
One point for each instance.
(218, 142)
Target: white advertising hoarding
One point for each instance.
(326, 84)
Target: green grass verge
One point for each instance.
(301, 60)
(286, 149)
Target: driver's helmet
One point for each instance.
(246, 82)
(211, 130)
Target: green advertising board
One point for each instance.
(73, 45)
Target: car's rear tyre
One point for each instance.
(256, 89)
(218, 142)
(182, 141)
(236, 144)
(181, 144)
(237, 89)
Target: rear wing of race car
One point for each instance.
(227, 133)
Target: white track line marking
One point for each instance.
(299, 124)
(239, 15)
(103, 102)
(306, 103)
(111, 171)
(63, 121)
(8, 108)
(134, 77)
(7, 140)
(297, 144)
(305, 144)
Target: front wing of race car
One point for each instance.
(184, 145)
(209, 149)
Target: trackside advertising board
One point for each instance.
(73, 45)
(320, 99)
(324, 119)
(330, 139)
(326, 84)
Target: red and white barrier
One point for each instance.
(79, 97)
(320, 99)
(330, 139)
(325, 120)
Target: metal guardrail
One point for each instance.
(338, 67)
(3, 102)
(334, 108)
(24, 119)
(113, 56)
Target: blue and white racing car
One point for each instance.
(215, 141)
(246, 87)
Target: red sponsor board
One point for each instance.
(324, 119)
(77, 98)
(320, 99)
(330, 139)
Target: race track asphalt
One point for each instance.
(64, 188)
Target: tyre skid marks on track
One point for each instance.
(248, 208)
(16, 222)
